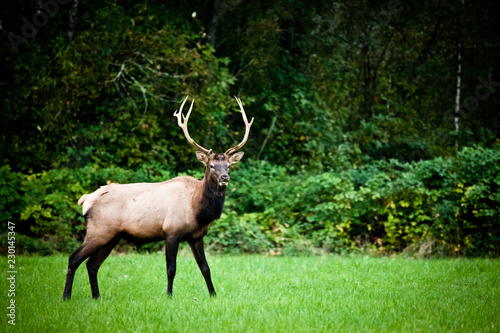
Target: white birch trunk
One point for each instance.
(456, 119)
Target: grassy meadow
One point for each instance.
(261, 294)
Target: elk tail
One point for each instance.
(82, 199)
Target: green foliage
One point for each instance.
(336, 85)
(346, 96)
(10, 194)
(441, 206)
(108, 97)
(238, 234)
(451, 204)
(46, 209)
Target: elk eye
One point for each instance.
(212, 166)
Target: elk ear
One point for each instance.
(202, 157)
(235, 158)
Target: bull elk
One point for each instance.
(177, 210)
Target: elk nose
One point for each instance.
(224, 178)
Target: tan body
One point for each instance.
(180, 209)
(145, 212)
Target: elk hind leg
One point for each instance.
(95, 261)
(75, 260)
(171, 249)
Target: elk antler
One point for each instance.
(183, 125)
(247, 130)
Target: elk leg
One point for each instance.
(199, 255)
(75, 259)
(95, 261)
(171, 248)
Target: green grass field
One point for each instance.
(261, 294)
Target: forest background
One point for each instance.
(377, 124)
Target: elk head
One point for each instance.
(216, 165)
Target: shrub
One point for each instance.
(444, 206)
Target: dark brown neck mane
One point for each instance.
(212, 202)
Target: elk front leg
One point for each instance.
(171, 248)
(199, 254)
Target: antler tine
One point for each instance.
(183, 125)
(247, 129)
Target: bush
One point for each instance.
(441, 206)
(11, 202)
(449, 206)
(44, 206)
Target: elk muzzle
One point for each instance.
(224, 180)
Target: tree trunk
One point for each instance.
(73, 18)
(459, 79)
